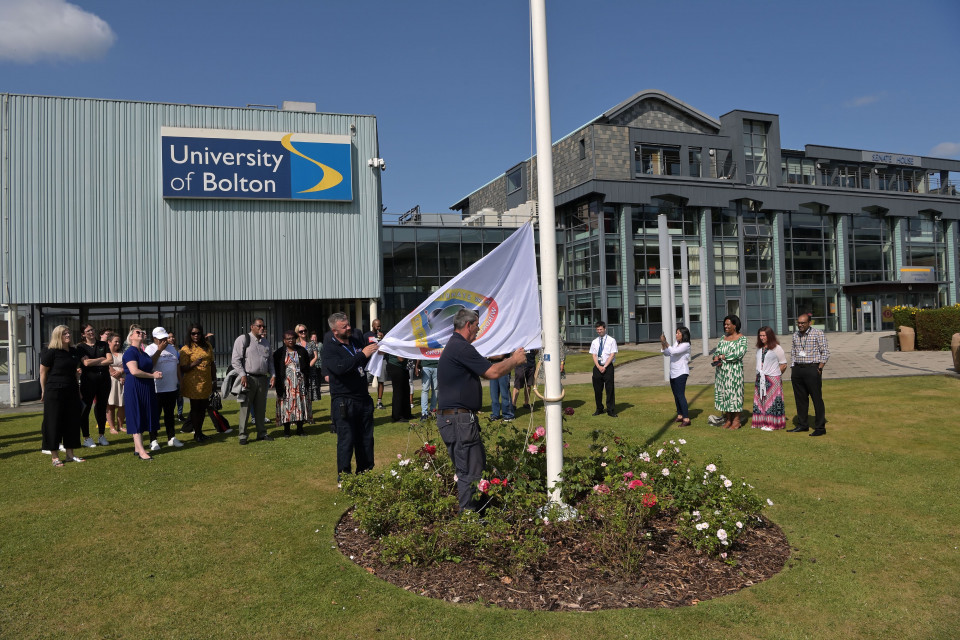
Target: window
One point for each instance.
(583, 149)
(657, 160)
(514, 180)
(694, 161)
(755, 152)
(871, 248)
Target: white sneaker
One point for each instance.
(63, 448)
(45, 451)
(765, 429)
(173, 442)
(89, 443)
(102, 441)
(154, 445)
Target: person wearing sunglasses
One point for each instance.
(293, 363)
(140, 392)
(313, 352)
(198, 372)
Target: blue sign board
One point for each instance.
(256, 165)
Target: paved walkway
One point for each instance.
(852, 355)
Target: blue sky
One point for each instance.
(449, 81)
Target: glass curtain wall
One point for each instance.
(587, 268)
(682, 224)
(755, 152)
(810, 261)
(926, 246)
(871, 249)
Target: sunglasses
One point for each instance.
(194, 333)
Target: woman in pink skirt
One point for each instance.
(768, 408)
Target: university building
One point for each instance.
(116, 212)
(827, 230)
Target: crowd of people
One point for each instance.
(809, 352)
(129, 389)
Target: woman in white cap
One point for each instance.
(139, 393)
(167, 361)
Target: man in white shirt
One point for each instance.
(604, 352)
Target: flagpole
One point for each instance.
(548, 249)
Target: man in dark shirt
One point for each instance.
(458, 374)
(351, 408)
(94, 384)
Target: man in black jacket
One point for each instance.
(351, 408)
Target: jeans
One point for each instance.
(461, 433)
(256, 397)
(353, 420)
(679, 387)
(500, 404)
(428, 389)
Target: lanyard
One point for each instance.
(350, 349)
(763, 356)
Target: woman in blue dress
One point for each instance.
(140, 393)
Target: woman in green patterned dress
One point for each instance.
(728, 363)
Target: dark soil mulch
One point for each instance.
(673, 574)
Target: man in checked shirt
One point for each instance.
(810, 355)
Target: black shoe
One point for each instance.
(818, 433)
(187, 428)
(598, 412)
(200, 437)
(612, 414)
(243, 441)
(798, 429)
(265, 438)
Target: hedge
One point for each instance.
(934, 327)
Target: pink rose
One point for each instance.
(635, 483)
(483, 485)
(532, 448)
(601, 488)
(541, 432)
(628, 475)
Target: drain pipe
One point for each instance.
(13, 357)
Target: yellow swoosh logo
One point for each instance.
(331, 177)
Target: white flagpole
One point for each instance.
(548, 249)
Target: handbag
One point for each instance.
(216, 402)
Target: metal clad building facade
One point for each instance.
(85, 225)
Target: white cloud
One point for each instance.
(32, 30)
(946, 150)
(863, 101)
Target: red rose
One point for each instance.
(495, 481)
(649, 500)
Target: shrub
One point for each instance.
(935, 327)
(904, 317)
(616, 491)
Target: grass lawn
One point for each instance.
(223, 541)
(583, 362)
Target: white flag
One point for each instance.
(501, 288)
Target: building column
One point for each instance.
(950, 231)
(602, 251)
(842, 272)
(373, 310)
(358, 313)
(13, 356)
(898, 247)
(779, 274)
(706, 272)
(628, 297)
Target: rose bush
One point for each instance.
(616, 491)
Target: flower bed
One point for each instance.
(631, 505)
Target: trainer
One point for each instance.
(351, 408)
(458, 374)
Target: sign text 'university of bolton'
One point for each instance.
(256, 165)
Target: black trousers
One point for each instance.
(603, 381)
(198, 411)
(167, 405)
(94, 388)
(808, 385)
(61, 418)
(400, 379)
(461, 433)
(353, 421)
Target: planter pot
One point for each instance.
(908, 338)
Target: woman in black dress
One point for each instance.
(400, 380)
(60, 396)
